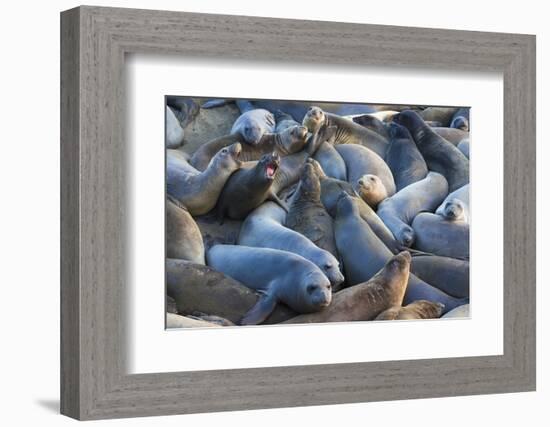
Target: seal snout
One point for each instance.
(271, 165)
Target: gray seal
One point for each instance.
(279, 276)
(451, 275)
(253, 123)
(398, 211)
(183, 236)
(361, 161)
(364, 254)
(330, 160)
(264, 228)
(371, 122)
(416, 310)
(248, 188)
(283, 121)
(200, 288)
(443, 115)
(307, 215)
(454, 136)
(440, 155)
(288, 141)
(464, 147)
(347, 132)
(436, 235)
(403, 158)
(366, 300)
(199, 191)
(456, 206)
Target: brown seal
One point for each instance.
(421, 309)
(371, 189)
(366, 300)
(183, 236)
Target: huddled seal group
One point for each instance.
(307, 213)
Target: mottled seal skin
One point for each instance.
(183, 237)
(279, 276)
(456, 206)
(200, 288)
(464, 147)
(454, 136)
(199, 191)
(436, 235)
(462, 311)
(461, 119)
(371, 189)
(403, 158)
(307, 214)
(253, 124)
(290, 140)
(174, 130)
(440, 155)
(360, 161)
(416, 310)
(451, 275)
(364, 254)
(264, 228)
(347, 132)
(398, 211)
(443, 115)
(371, 122)
(248, 188)
(366, 300)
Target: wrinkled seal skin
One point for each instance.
(199, 288)
(199, 191)
(454, 136)
(248, 188)
(461, 119)
(451, 275)
(361, 161)
(308, 216)
(253, 124)
(440, 155)
(278, 275)
(366, 300)
(403, 158)
(264, 228)
(363, 254)
(347, 132)
(290, 140)
(398, 211)
(436, 235)
(416, 310)
(456, 206)
(183, 237)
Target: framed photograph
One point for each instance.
(258, 213)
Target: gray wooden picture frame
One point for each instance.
(94, 41)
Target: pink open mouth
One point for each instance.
(270, 171)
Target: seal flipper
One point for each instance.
(244, 105)
(274, 198)
(260, 311)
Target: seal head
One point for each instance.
(314, 119)
(371, 189)
(228, 157)
(316, 294)
(269, 164)
(293, 138)
(454, 210)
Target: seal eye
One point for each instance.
(224, 151)
(371, 178)
(328, 266)
(311, 288)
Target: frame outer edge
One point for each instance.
(70, 396)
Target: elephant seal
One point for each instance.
(347, 132)
(366, 300)
(183, 236)
(288, 141)
(371, 122)
(364, 254)
(253, 123)
(279, 276)
(174, 130)
(200, 288)
(440, 155)
(174, 321)
(454, 136)
(464, 147)
(416, 310)
(456, 206)
(248, 188)
(199, 192)
(403, 158)
(451, 275)
(330, 160)
(458, 312)
(461, 119)
(436, 235)
(360, 161)
(398, 211)
(307, 215)
(263, 228)
(371, 189)
(443, 115)
(283, 121)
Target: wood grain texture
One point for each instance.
(94, 382)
